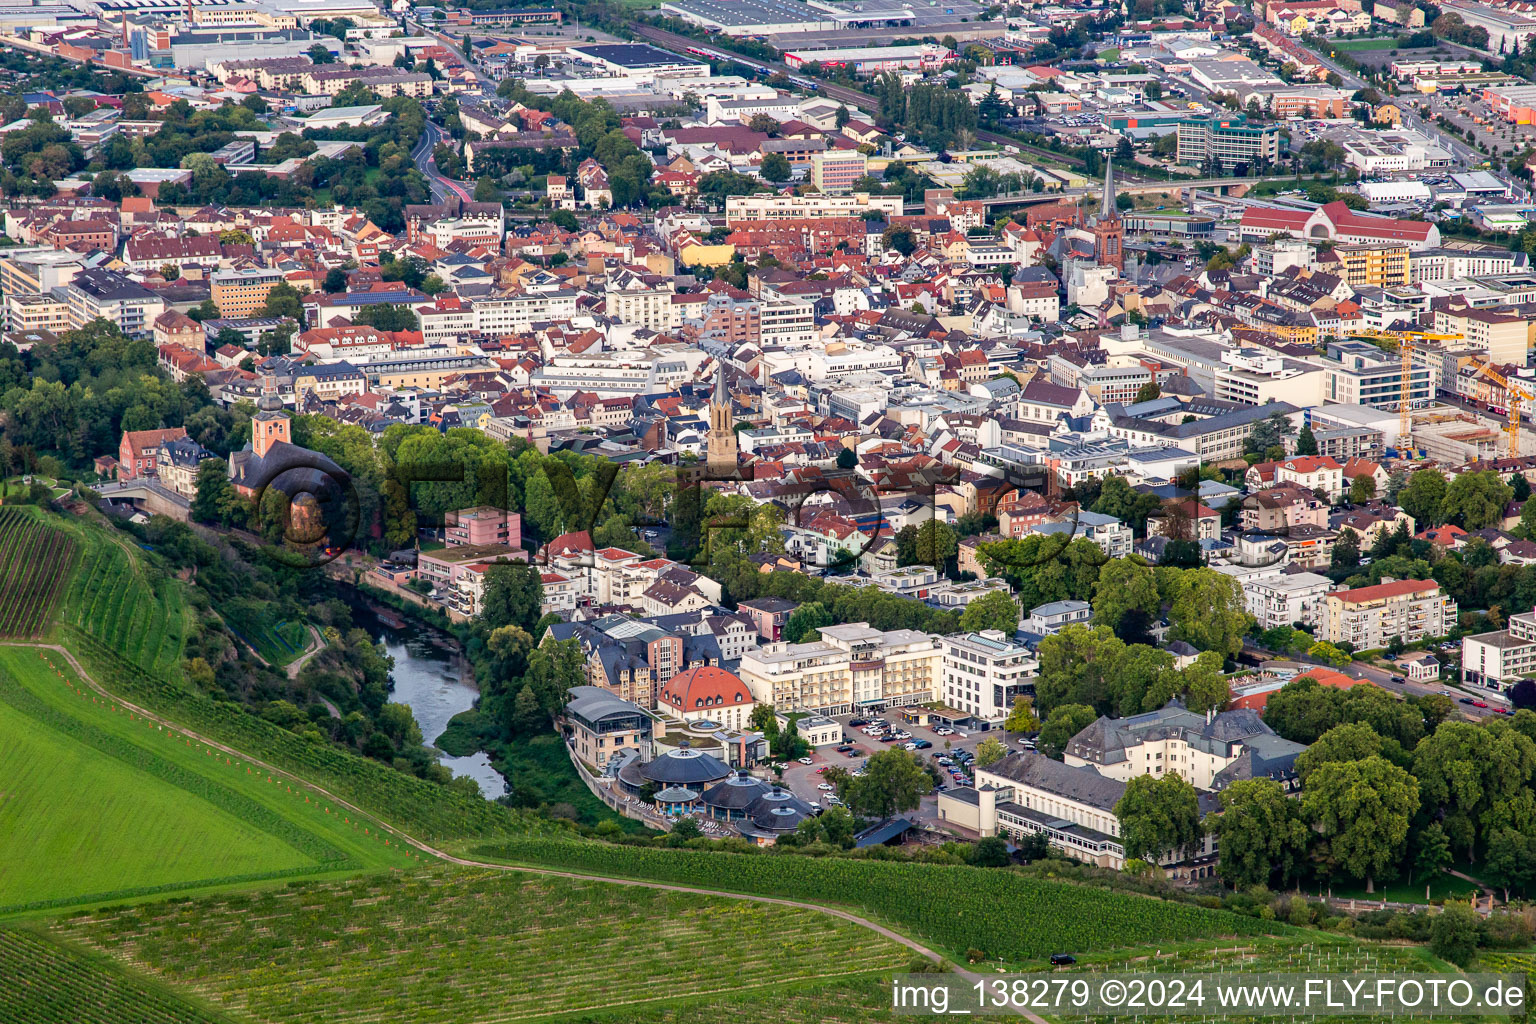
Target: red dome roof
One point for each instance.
(705, 687)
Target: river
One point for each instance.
(433, 678)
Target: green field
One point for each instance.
(115, 598)
(99, 803)
(453, 945)
(957, 908)
(43, 981)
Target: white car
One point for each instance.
(909, 746)
(806, 760)
(826, 787)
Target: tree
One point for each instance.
(1022, 717)
(1520, 487)
(805, 620)
(1474, 499)
(1508, 863)
(1158, 817)
(1362, 489)
(526, 716)
(775, 167)
(320, 55)
(1262, 837)
(763, 123)
(335, 281)
(213, 492)
(990, 751)
(1362, 808)
(1473, 777)
(900, 238)
(283, 300)
(930, 542)
(1306, 444)
(1149, 392)
(513, 595)
(1062, 724)
(837, 826)
(1432, 852)
(764, 721)
(1423, 497)
(1125, 598)
(893, 781)
(1457, 927)
(1348, 741)
(1521, 695)
(848, 459)
(1208, 612)
(991, 852)
(996, 610)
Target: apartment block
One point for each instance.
(1286, 599)
(1377, 266)
(1370, 616)
(1503, 657)
(241, 293)
(834, 172)
(852, 667)
(984, 673)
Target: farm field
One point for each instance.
(43, 981)
(1004, 914)
(102, 804)
(34, 562)
(114, 598)
(456, 945)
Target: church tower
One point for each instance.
(722, 436)
(269, 425)
(1108, 229)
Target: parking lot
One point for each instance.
(1489, 129)
(805, 780)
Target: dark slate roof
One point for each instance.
(685, 766)
(1081, 784)
(736, 792)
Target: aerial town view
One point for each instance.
(784, 511)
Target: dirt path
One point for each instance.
(316, 645)
(879, 929)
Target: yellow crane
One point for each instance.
(1404, 342)
(1514, 394)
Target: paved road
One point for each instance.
(432, 851)
(441, 186)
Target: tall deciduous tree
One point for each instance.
(1474, 500)
(1208, 612)
(1423, 496)
(1125, 598)
(996, 610)
(1064, 722)
(1262, 836)
(893, 781)
(1158, 817)
(1362, 808)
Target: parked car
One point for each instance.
(826, 787)
(1398, 679)
(923, 744)
(854, 723)
(909, 746)
(806, 760)
(844, 748)
(1479, 704)
(1062, 959)
(1467, 700)
(853, 753)
(888, 738)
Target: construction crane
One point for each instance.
(1514, 394)
(1404, 342)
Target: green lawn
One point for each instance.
(98, 804)
(450, 946)
(1400, 891)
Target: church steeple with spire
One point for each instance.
(1108, 229)
(721, 451)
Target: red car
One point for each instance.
(1502, 711)
(1479, 704)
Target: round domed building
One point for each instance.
(729, 799)
(773, 814)
(679, 776)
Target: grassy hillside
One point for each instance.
(957, 908)
(100, 803)
(116, 598)
(454, 946)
